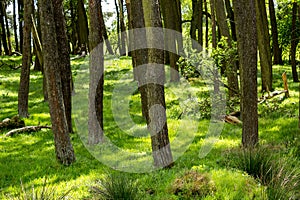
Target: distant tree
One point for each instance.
(264, 45)
(82, 23)
(7, 28)
(213, 24)
(122, 28)
(20, 13)
(15, 26)
(230, 16)
(26, 61)
(294, 42)
(95, 122)
(3, 28)
(245, 19)
(277, 52)
(63, 147)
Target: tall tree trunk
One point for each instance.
(245, 19)
(63, 147)
(118, 27)
(95, 123)
(15, 26)
(7, 32)
(206, 24)
(154, 79)
(20, 13)
(123, 28)
(194, 23)
(264, 45)
(213, 24)
(231, 67)
(200, 23)
(3, 28)
(26, 59)
(64, 64)
(73, 36)
(130, 35)
(230, 16)
(294, 43)
(104, 32)
(277, 52)
(83, 30)
(172, 20)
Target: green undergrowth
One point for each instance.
(30, 158)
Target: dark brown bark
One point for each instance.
(172, 20)
(95, 122)
(15, 26)
(264, 45)
(20, 12)
(3, 28)
(26, 59)
(130, 34)
(294, 43)
(213, 24)
(154, 83)
(118, 28)
(83, 31)
(122, 28)
(206, 24)
(230, 16)
(63, 147)
(277, 52)
(247, 48)
(195, 23)
(64, 64)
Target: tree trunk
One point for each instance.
(95, 123)
(154, 83)
(294, 43)
(213, 24)
(245, 19)
(83, 30)
(230, 16)
(172, 20)
(264, 45)
(231, 67)
(20, 12)
(64, 64)
(15, 26)
(277, 52)
(3, 28)
(7, 32)
(194, 23)
(123, 29)
(118, 27)
(26, 61)
(206, 25)
(63, 147)
(130, 35)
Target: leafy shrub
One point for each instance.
(115, 186)
(193, 185)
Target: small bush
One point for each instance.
(115, 187)
(193, 185)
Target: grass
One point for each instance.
(31, 157)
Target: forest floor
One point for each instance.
(28, 164)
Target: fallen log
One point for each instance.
(26, 129)
(14, 122)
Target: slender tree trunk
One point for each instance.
(230, 16)
(64, 64)
(194, 23)
(154, 79)
(26, 59)
(206, 24)
(7, 32)
(63, 147)
(213, 24)
(123, 28)
(95, 123)
(277, 52)
(118, 27)
(15, 26)
(83, 30)
(130, 35)
(247, 48)
(3, 28)
(231, 67)
(264, 45)
(294, 43)
(20, 12)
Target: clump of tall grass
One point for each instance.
(47, 192)
(280, 174)
(115, 186)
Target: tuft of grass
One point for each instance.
(116, 186)
(47, 192)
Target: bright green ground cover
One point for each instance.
(30, 157)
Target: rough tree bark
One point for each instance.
(247, 48)
(294, 43)
(63, 147)
(95, 122)
(154, 83)
(26, 59)
(264, 45)
(277, 52)
(213, 24)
